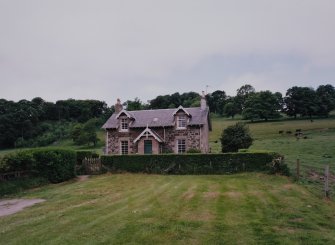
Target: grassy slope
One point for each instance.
(151, 209)
(317, 150)
(68, 143)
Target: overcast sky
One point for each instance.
(104, 49)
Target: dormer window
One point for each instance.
(124, 124)
(181, 121)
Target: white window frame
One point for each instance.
(124, 125)
(124, 149)
(181, 146)
(181, 122)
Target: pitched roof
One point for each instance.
(159, 118)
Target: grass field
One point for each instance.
(317, 150)
(150, 209)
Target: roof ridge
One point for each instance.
(197, 107)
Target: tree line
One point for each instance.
(251, 104)
(38, 122)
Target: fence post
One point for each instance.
(298, 169)
(327, 181)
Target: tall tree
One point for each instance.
(262, 105)
(242, 94)
(301, 101)
(325, 99)
(216, 101)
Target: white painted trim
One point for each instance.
(125, 112)
(183, 109)
(150, 132)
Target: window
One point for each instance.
(181, 144)
(124, 147)
(181, 122)
(124, 124)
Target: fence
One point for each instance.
(320, 180)
(92, 165)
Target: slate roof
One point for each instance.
(159, 118)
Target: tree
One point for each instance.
(242, 94)
(301, 101)
(216, 101)
(134, 105)
(325, 99)
(85, 133)
(235, 137)
(231, 108)
(262, 105)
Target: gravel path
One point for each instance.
(11, 206)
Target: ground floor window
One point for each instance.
(124, 147)
(181, 144)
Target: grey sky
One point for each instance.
(103, 49)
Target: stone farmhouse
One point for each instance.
(158, 131)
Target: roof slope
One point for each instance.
(159, 118)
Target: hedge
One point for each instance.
(55, 165)
(196, 163)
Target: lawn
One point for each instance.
(158, 209)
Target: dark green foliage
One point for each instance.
(231, 108)
(216, 101)
(235, 137)
(189, 99)
(326, 99)
(21, 123)
(135, 105)
(192, 150)
(279, 166)
(19, 161)
(56, 165)
(85, 133)
(301, 101)
(262, 105)
(18, 185)
(191, 163)
(242, 94)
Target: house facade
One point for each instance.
(158, 131)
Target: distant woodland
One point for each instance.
(39, 122)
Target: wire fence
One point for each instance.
(320, 180)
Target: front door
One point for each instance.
(147, 146)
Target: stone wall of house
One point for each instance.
(114, 137)
(195, 136)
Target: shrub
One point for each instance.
(192, 150)
(235, 137)
(14, 186)
(191, 163)
(19, 161)
(56, 165)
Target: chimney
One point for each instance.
(203, 103)
(118, 106)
